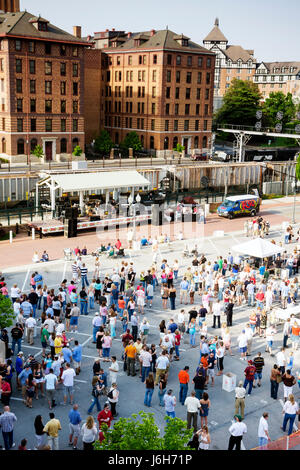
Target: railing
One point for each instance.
(17, 216)
(283, 443)
(253, 129)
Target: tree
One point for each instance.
(240, 104)
(7, 314)
(179, 148)
(276, 102)
(38, 151)
(131, 141)
(103, 143)
(140, 432)
(77, 151)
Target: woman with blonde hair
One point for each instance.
(290, 410)
(89, 433)
(226, 339)
(204, 438)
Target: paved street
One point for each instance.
(131, 388)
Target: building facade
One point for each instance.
(278, 76)
(160, 85)
(12, 6)
(41, 88)
(231, 62)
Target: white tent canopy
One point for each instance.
(80, 182)
(259, 248)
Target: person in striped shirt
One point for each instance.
(84, 279)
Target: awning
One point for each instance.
(259, 248)
(102, 180)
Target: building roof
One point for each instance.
(101, 180)
(235, 53)
(21, 24)
(165, 39)
(215, 34)
(280, 65)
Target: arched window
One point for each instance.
(151, 142)
(75, 142)
(166, 143)
(196, 142)
(63, 146)
(21, 147)
(204, 142)
(117, 138)
(33, 144)
(3, 145)
(142, 140)
(175, 142)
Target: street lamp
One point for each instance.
(132, 206)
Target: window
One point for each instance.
(32, 105)
(140, 59)
(169, 76)
(206, 110)
(1, 65)
(197, 125)
(31, 47)
(47, 48)
(18, 65)
(167, 108)
(189, 60)
(178, 60)
(62, 49)
(186, 125)
(63, 146)
(151, 142)
(63, 125)
(199, 77)
(167, 125)
(75, 51)
(75, 125)
(196, 142)
(187, 93)
(48, 106)
(153, 108)
(33, 125)
(48, 68)
(153, 92)
(208, 62)
(19, 105)
(198, 93)
(19, 85)
(197, 109)
(130, 60)
(155, 59)
(48, 88)
(176, 109)
(205, 125)
(3, 124)
(175, 126)
(177, 76)
(33, 144)
(152, 124)
(32, 67)
(177, 93)
(189, 77)
(20, 125)
(208, 78)
(204, 142)
(207, 93)
(169, 59)
(32, 86)
(200, 61)
(18, 44)
(154, 75)
(166, 143)
(175, 141)
(48, 125)
(21, 147)
(168, 92)
(187, 109)
(75, 88)
(75, 70)
(3, 145)
(63, 106)
(62, 88)
(118, 60)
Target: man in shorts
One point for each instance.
(75, 312)
(74, 426)
(211, 368)
(68, 381)
(50, 384)
(149, 294)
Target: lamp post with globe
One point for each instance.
(133, 207)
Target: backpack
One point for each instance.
(251, 371)
(110, 394)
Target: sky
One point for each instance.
(270, 27)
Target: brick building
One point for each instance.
(12, 6)
(159, 84)
(41, 87)
(278, 76)
(231, 62)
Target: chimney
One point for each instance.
(77, 31)
(152, 32)
(129, 35)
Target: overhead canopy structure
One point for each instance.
(258, 248)
(80, 182)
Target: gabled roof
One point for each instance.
(215, 34)
(270, 66)
(235, 53)
(21, 24)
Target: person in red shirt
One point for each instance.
(177, 344)
(6, 392)
(105, 416)
(118, 244)
(249, 376)
(260, 297)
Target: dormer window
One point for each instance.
(42, 26)
(39, 23)
(182, 40)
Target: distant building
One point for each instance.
(10, 6)
(278, 76)
(231, 62)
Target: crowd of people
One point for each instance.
(206, 293)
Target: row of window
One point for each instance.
(34, 142)
(48, 125)
(140, 123)
(48, 106)
(48, 87)
(167, 141)
(48, 67)
(141, 76)
(170, 59)
(264, 78)
(140, 108)
(30, 46)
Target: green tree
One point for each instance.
(276, 102)
(140, 432)
(131, 141)
(77, 151)
(179, 148)
(103, 143)
(240, 104)
(7, 314)
(38, 151)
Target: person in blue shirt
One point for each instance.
(75, 420)
(51, 311)
(216, 266)
(23, 376)
(77, 356)
(38, 279)
(172, 326)
(102, 378)
(19, 367)
(67, 353)
(144, 241)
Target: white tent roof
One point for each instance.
(101, 180)
(259, 248)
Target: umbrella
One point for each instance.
(259, 248)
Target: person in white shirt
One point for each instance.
(290, 410)
(270, 332)
(51, 324)
(68, 381)
(30, 324)
(240, 394)
(237, 431)
(263, 430)
(281, 360)
(15, 293)
(162, 363)
(50, 384)
(113, 398)
(181, 321)
(113, 370)
(60, 327)
(145, 360)
(242, 344)
(193, 405)
(217, 308)
(150, 292)
(89, 433)
(249, 336)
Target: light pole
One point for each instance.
(133, 207)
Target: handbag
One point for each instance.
(279, 379)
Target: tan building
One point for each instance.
(231, 62)
(12, 6)
(41, 88)
(159, 84)
(278, 76)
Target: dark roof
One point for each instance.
(270, 66)
(165, 39)
(216, 34)
(21, 24)
(235, 53)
